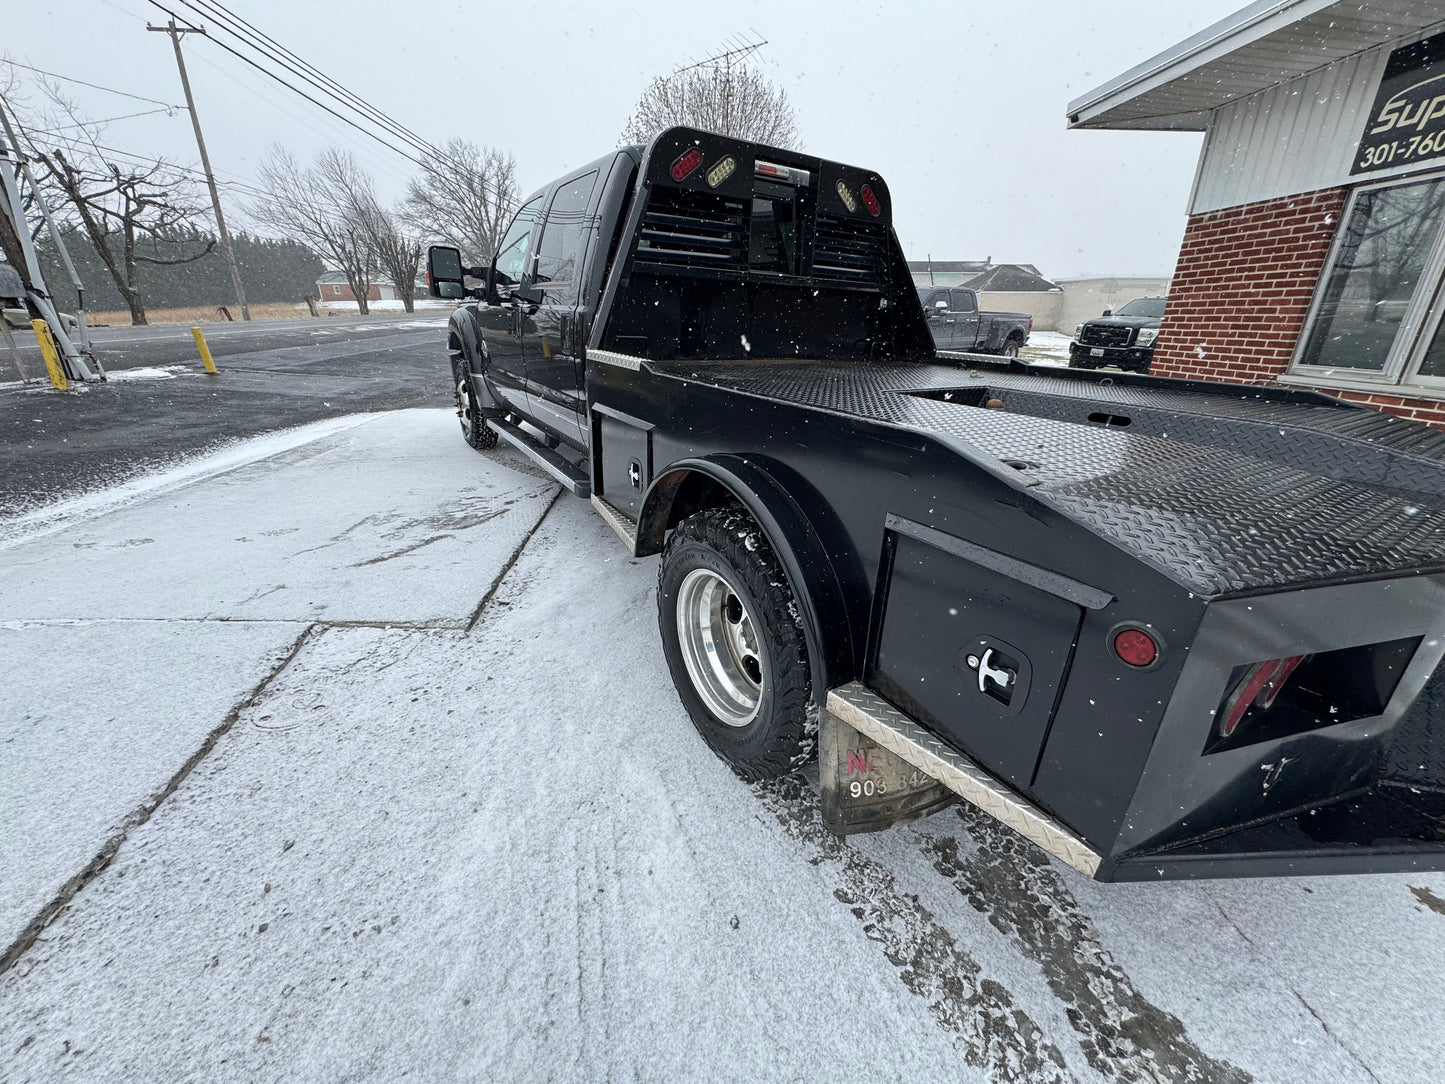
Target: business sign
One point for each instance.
(1407, 123)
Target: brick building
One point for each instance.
(1314, 254)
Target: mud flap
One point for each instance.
(865, 787)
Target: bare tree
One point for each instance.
(139, 206)
(465, 199)
(731, 99)
(127, 212)
(329, 205)
(398, 253)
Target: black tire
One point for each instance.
(726, 543)
(1011, 349)
(475, 430)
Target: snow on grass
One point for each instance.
(166, 372)
(1047, 348)
(63, 513)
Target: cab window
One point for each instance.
(560, 249)
(962, 301)
(512, 253)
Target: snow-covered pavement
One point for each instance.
(360, 825)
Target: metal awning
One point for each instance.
(1267, 43)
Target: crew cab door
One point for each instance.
(501, 320)
(964, 312)
(555, 378)
(937, 308)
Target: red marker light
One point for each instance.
(1136, 647)
(686, 164)
(871, 201)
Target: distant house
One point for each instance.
(332, 286)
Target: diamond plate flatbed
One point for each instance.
(1227, 489)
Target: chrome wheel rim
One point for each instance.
(720, 647)
(464, 411)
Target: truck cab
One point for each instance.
(519, 349)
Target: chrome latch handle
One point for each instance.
(986, 673)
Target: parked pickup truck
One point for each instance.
(957, 323)
(1124, 338)
(1164, 629)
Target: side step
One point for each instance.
(560, 468)
(624, 525)
(871, 715)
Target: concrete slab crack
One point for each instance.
(143, 812)
(1335, 1038)
(512, 560)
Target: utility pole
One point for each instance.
(176, 33)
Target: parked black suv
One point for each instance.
(1124, 338)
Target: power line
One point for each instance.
(168, 111)
(74, 143)
(308, 72)
(226, 19)
(297, 90)
(94, 86)
(273, 51)
(333, 132)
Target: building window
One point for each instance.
(336, 291)
(1375, 313)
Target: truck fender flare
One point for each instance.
(474, 349)
(463, 326)
(811, 576)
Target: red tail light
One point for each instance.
(870, 201)
(685, 164)
(1258, 688)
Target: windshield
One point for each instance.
(1151, 308)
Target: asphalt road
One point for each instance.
(160, 405)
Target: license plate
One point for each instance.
(1097, 352)
(865, 787)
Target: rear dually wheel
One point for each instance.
(734, 645)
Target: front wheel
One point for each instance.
(734, 644)
(475, 430)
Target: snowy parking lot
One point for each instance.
(350, 753)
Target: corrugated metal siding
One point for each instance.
(1297, 137)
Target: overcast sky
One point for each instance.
(959, 105)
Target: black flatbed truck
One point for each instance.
(1164, 629)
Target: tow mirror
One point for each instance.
(1108, 312)
(940, 305)
(444, 272)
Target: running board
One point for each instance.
(625, 527)
(560, 468)
(875, 718)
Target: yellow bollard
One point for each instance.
(50, 354)
(204, 349)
